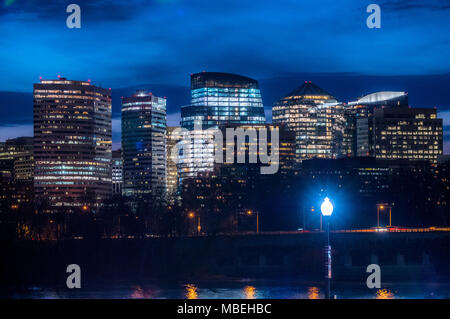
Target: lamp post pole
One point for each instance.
(257, 222)
(250, 213)
(378, 216)
(328, 252)
(382, 207)
(327, 210)
(390, 216)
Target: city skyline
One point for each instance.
(238, 149)
(24, 127)
(241, 38)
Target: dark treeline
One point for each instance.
(240, 199)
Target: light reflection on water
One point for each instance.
(191, 291)
(240, 290)
(313, 293)
(385, 294)
(249, 292)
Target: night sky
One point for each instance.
(155, 45)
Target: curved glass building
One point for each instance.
(222, 98)
(317, 119)
(216, 99)
(384, 98)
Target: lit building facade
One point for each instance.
(252, 145)
(358, 134)
(19, 152)
(216, 99)
(173, 138)
(144, 146)
(317, 119)
(72, 143)
(16, 174)
(364, 182)
(407, 133)
(117, 172)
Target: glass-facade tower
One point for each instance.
(222, 98)
(144, 146)
(216, 99)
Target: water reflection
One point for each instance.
(191, 291)
(137, 293)
(384, 294)
(237, 290)
(249, 292)
(313, 293)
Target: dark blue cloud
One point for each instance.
(408, 5)
(103, 10)
(123, 43)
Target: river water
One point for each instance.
(241, 289)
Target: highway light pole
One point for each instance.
(327, 210)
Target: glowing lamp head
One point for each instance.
(326, 207)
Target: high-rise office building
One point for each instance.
(72, 143)
(144, 146)
(222, 98)
(317, 119)
(117, 172)
(19, 153)
(15, 146)
(226, 197)
(407, 133)
(216, 99)
(173, 138)
(251, 147)
(358, 135)
(16, 173)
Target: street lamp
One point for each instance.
(326, 207)
(249, 212)
(191, 215)
(381, 207)
(327, 210)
